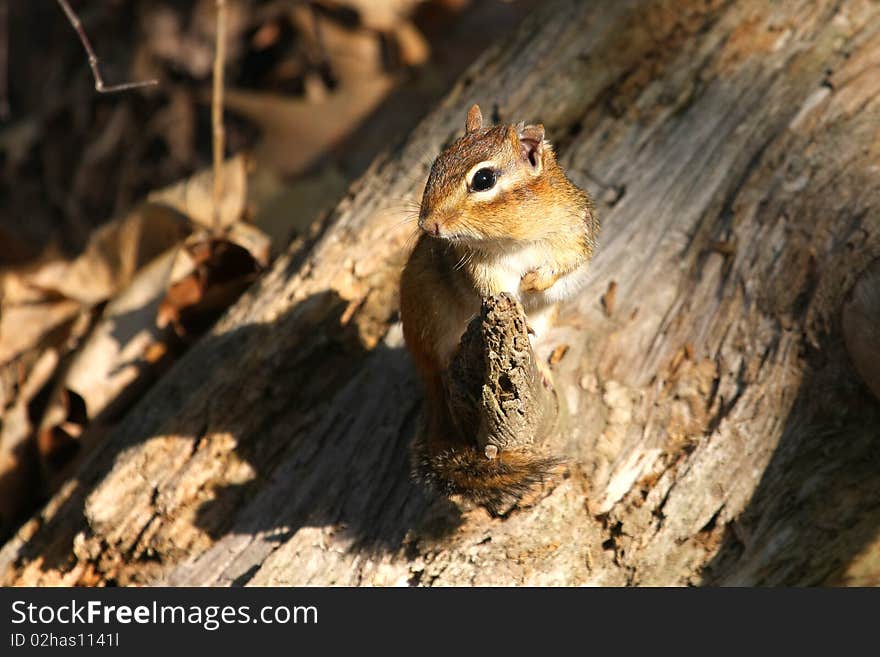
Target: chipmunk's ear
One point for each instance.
(531, 144)
(474, 119)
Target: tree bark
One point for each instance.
(720, 433)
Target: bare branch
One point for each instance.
(217, 108)
(100, 87)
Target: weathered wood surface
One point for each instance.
(720, 435)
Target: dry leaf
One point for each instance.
(253, 240)
(24, 327)
(208, 276)
(110, 368)
(20, 474)
(113, 255)
(194, 197)
(39, 306)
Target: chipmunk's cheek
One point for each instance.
(470, 226)
(521, 230)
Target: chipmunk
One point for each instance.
(498, 214)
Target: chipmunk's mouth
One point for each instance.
(458, 234)
(443, 233)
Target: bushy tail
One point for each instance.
(496, 483)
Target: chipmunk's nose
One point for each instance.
(430, 224)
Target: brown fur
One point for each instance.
(494, 483)
(474, 244)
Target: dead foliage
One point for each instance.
(114, 254)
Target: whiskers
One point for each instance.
(408, 207)
(466, 259)
(409, 210)
(412, 238)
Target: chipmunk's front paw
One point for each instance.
(538, 280)
(546, 374)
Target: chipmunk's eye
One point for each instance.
(483, 179)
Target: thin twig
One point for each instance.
(217, 108)
(100, 87)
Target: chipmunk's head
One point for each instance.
(495, 183)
